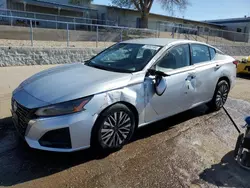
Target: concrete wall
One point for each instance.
(43, 56)
(37, 56)
(235, 50)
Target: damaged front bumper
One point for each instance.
(65, 133)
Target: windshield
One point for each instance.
(124, 57)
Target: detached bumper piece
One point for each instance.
(242, 150)
(246, 142)
(59, 138)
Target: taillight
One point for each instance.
(236, 62)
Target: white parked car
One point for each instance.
(131, 84)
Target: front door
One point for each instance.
(181, 85)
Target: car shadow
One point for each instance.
(168, 123)
(244, 76)
(19, 163)
(227, 173)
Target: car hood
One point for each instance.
(68, 82)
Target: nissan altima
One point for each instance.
(102, 101)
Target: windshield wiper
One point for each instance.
(97, 66)
(92, 64)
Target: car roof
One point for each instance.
(159, 41)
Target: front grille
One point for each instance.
(23, 116)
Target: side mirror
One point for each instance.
(160, 84)
(154, 72)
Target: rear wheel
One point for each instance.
(115, 127)
(220, 95)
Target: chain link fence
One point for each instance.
(79, 35)
(52, 17)
(203, 34)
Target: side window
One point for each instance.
(200, 53)
(176, 57)
(212, 53)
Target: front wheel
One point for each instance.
(114, 127)
(220, 96)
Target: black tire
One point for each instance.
(114, 127)
(220, 96)
(238, 144)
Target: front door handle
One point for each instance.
(217, 66)
(191, 76)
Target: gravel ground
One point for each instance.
(192, 149)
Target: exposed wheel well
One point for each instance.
(226, 79)
(134, 110)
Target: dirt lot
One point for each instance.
(192, 149)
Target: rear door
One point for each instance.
(203, 59)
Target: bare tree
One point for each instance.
(80, 2)
(144, 6)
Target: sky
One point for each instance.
(203, 9)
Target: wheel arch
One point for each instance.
(226, 79)
(127, 104)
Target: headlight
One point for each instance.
(64, 108)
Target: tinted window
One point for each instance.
(212, 52)
(176, 57)
(200, 53)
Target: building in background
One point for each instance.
(3, 4)
(61, 10)
(99, 14)
(241, 27)
(51, 7)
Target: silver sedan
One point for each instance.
(102, 101)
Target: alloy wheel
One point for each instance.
(221, 95)
(116, 129)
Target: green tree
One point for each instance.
(80, 2)
(144, 6)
